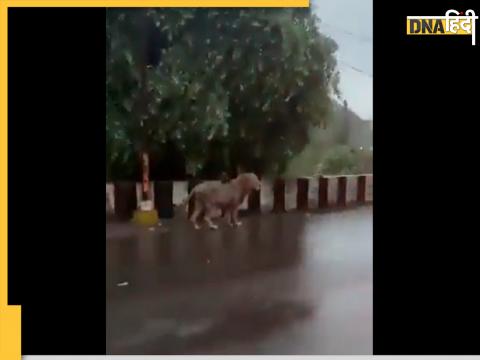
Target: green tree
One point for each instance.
(229, 86)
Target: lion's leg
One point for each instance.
(235, 217)
(229, 213)
(196, 213)
(209, 213)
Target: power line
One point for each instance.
(355, 68)
(348, 32)
(359, 37)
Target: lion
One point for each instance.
(212, 196)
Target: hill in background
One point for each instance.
(344, 146)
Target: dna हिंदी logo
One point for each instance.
(453, 23)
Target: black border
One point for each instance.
(425, 96)
(56, 152)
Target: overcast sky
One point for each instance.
(350, 24)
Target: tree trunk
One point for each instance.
(143, 110)
(145, 177)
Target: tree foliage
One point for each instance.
(232, 86)
(339, 160)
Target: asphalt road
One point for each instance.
(280, 284)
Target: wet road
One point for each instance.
(280, 284)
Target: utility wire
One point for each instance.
(355, 68)
(358, 37)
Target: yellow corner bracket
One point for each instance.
(10, 332)
(10, 320)
(10, 316)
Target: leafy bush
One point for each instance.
(339, 160)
